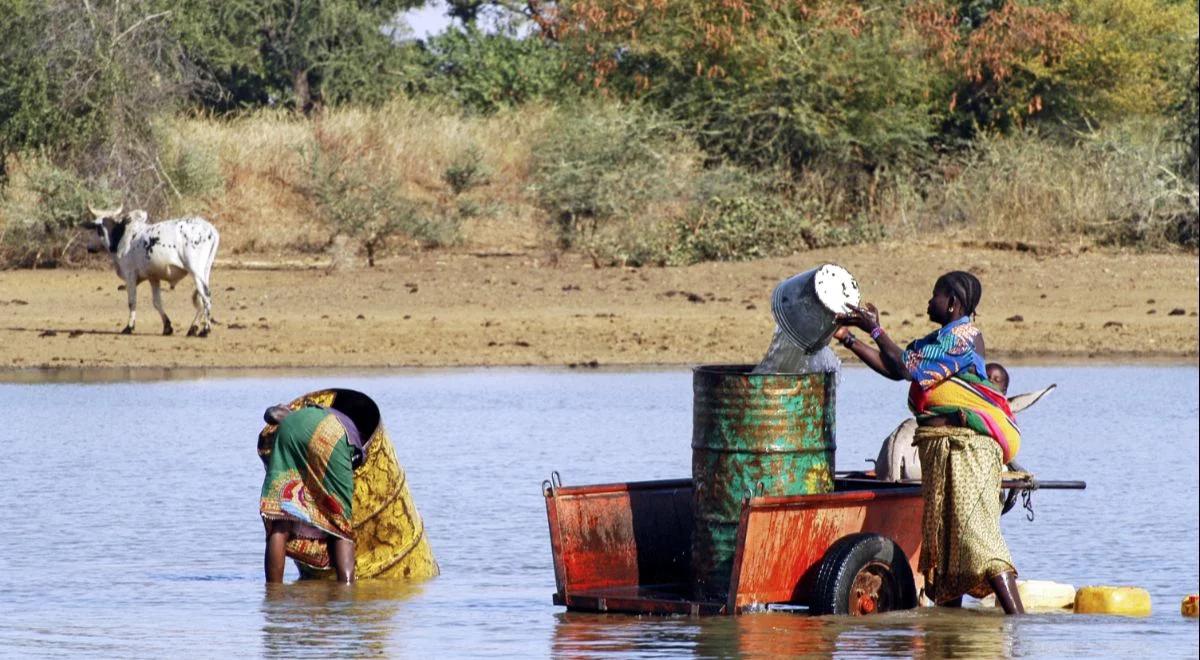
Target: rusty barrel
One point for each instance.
(768, 434)
(389, 535)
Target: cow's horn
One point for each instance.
(106, 213)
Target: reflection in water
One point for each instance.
(352, 620)
(963, 633)
(923, 633)
(782, 634)
(580, 634)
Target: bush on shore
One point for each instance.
(1114, 186)
(610, 181)
(663, 133)
(40, 210)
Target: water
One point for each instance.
(785, 357)
(132, 526)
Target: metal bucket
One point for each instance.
(805, 304)
(760, 434)
(389, 535)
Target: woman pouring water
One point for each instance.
(965, 435)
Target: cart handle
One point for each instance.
(1037, 484)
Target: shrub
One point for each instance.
(1187, 136)
(191, 169)
(1126, 62)
(601, 162)
(466, 172)
(739, 228)
(40, 209)
(357, 195)
(1112, 186)
(725, 213)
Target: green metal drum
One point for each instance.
(760, 434)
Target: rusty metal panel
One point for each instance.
(620, 535)
(761, 434)
(783, 539)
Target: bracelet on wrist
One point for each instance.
(877, 332)
(848, 340)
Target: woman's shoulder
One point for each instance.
(961, 336)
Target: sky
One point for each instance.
(428, 20)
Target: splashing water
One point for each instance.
(785, 357)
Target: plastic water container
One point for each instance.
(805, 304)
(1041, 595)
(1127, 601)
(1190, 606)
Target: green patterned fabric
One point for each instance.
(310, 475)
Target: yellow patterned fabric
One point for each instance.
(962, 547)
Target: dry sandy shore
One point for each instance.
(442, 309)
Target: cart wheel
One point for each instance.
(863, 574)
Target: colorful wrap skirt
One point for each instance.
(961, 547)
(310, 475)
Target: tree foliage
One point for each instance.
(484, 72)
(82, 80)
(302, 54)
(874, 81)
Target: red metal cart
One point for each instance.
(626, 547)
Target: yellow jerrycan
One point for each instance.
(1127, 601)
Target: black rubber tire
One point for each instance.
(865, 553)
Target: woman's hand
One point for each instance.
(864, 318)
(841, 332)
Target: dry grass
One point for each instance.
(1110, 187)
(262, 209)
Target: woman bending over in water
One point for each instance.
(308, 491)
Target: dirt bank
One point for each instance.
(440, 309)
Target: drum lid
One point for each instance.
(836, 289)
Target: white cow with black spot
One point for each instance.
(165, 251)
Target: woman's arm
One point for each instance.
(869, 355)
(892, 356)
(888, 359)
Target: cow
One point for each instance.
(164, 251)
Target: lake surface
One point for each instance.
(132, 524)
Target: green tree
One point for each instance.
(301, 53)
(82, 81)
(768, 82)
(484, 72)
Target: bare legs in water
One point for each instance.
(341, 554)
(1007, 595)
